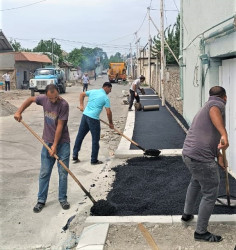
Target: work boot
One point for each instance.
(38, 207)
(187, 217)
(207, 237)
(75, 159)
(96, 162)
(65, 205)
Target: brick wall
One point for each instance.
(172, 87)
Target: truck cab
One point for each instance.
(46, 76)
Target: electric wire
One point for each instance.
(20, 7)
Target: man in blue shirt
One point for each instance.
(90, 120)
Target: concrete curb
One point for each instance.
(162, 219)
(93, 237)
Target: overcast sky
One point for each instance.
(109, 24)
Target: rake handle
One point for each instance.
(60, 161)
(120, 133)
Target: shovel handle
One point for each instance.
(226, 173)
(60, 161)
(120, 133)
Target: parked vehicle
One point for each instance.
(46, 76)
(117, 71)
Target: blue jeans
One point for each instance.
(47, 162)
(88, 124)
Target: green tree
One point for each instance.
(172, 36)
(45, 46)
(17, 46)
(116, 58)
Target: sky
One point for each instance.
(108, 24)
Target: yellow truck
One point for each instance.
(117, 71)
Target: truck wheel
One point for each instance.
(32, 92)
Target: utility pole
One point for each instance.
(52, 50)
(149, 48)
(162, 53)
(137, 51)
(131, 62)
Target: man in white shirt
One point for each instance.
(85, 80)
(133, 91)
(6, 77)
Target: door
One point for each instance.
(228, 81)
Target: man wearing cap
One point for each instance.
(206, 136)
(133, 91)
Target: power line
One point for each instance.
(20, 7)
(142, 22)
(121, 37)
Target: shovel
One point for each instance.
(100, 207)
(150, 152)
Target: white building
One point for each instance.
(208, 46)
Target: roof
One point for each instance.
(32, 57)
(5, 46)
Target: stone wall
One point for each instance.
(172, 87)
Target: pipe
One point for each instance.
(181, 51)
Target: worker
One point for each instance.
(206, 136)
(133, 91)
(85, 80)
(97, 99)
(7, 78)
(56, 136)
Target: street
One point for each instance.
(20, 164)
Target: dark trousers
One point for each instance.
(85, 87)
(132, 96)
(88, 124)
(206, 180)
(7, 85)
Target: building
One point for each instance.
(21, 66)
(208, 58)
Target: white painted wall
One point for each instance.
(228, 81)
(198, 16)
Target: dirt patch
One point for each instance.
(167, 237)
(156, 186)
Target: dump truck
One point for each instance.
(46, 76)
(117, 71)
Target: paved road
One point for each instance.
(20, 164)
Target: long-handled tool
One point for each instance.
(100, 207)
(150, 152)
(226, 200)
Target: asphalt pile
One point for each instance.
(156, 186)
(102, 208)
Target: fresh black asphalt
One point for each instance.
(156, 186)
(156, 129)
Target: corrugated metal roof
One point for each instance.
(32, 57)
(4, 44)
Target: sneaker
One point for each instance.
(96, 162)
(65, 205)
(187, 217)
(75, 159)
(130, 109)
(207, 237)
(38, 207)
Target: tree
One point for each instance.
(116, 58)
(17, 46)
(172, 36)
(45, 46)
(86, 58)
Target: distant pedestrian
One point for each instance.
(133, 91)
(7, 79)
(95, 75)
(202, 144)
(56, 136)
(97, 99)
(85, 80)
